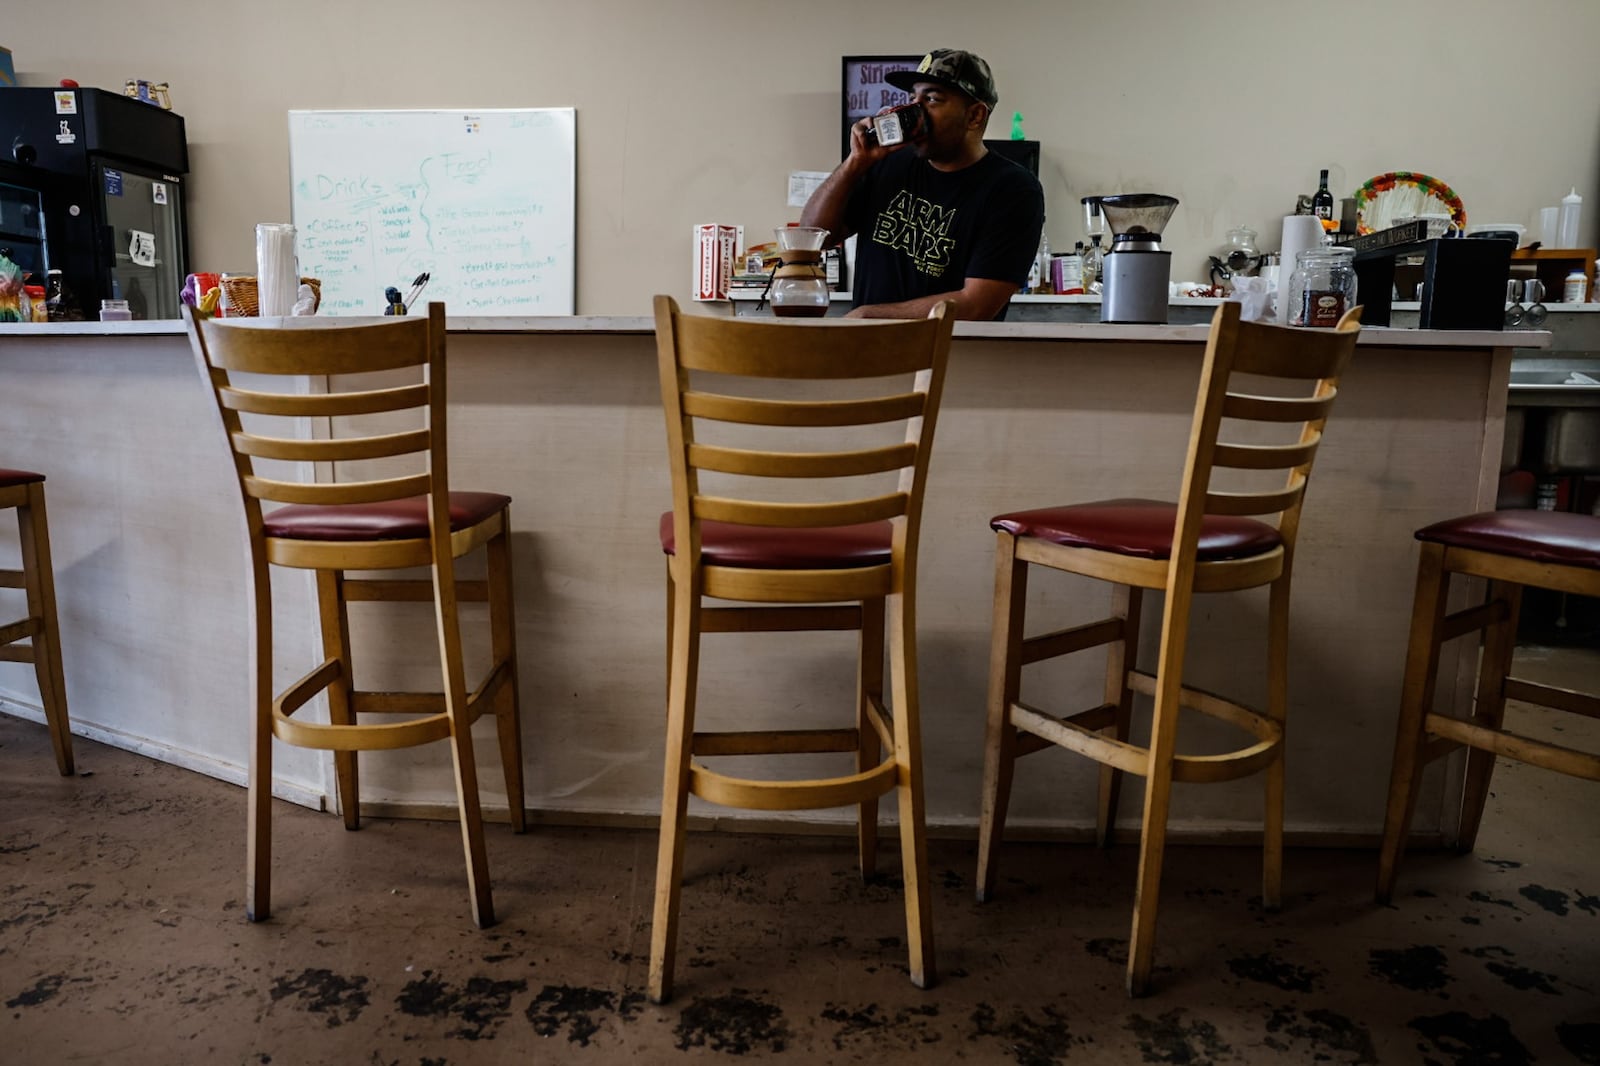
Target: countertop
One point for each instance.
(1371, 336)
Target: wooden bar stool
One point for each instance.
(1203, 543)
(838, 563)
(1512, 550)
(391, 508)
(24, 490)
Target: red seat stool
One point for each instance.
(385, 394)
(1512, 550)
(1212, 539)
(741, 398)
(24, 491)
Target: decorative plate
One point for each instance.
(1402, 193)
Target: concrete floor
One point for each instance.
(122, 939)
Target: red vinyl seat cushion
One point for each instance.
(9, 478)
(1557, 537)
(1139, 528)
(405, 519)
(770, 548)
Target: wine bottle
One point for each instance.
(1322, 205)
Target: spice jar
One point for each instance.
(1322, 287)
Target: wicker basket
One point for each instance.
(240, 299)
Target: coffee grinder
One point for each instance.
(1136, 270)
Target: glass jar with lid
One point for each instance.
(1240, 253)
(1322, 287)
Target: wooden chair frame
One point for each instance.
(1424, 735)
(39, 628)
(864, 600)
(1101, 732)
(325, 350)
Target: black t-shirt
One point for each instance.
(924, 231)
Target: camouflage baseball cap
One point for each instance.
(960, 70)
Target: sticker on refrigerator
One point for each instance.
(66, 102)
(113, 182)
(142, 248)
(66, 136)
(158, 191)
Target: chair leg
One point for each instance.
(869, 688)
(1158, 787)
(1489, 710)
(1416, 698)
(335, 625)
(33, 529)
(448, 617)
(908, 753)
(1005, 684)
(508, 704)
(1277, 770)
(1121, 656)
(258, 847)
(682, 679)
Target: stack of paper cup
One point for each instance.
(277, 272)
(1299, 233)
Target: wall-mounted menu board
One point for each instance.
(483, 201)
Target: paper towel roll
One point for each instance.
(277, 272)
(1299, 233)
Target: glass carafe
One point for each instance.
(800, 284)
(1241, 253)
(1322, 287)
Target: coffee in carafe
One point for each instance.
(800, 284)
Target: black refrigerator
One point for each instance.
(92, 185)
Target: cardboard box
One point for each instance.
(715, 248)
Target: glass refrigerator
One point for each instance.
(92, 185)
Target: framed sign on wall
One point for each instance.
(865, 92)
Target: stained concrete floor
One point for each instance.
(123, 940)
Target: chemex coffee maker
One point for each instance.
(1136, 270)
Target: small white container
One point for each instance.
(115, 311)
(1576, 289)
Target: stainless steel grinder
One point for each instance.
(1136, 270)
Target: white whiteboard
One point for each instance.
(483, 201)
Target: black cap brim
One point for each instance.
(910, 79)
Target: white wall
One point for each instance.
(693, 110)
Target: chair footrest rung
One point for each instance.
(1066, 641)
(1523, 749)
(1134, 759)
(1560, 699)
(814, 794)
(28, 627)
(770, 742)
(1211, 705)
(803, 618)
(371, 702)
(1065, 733)
(16, 653)
(409, 590)
(360, 737)
(13, 579)
(881, 721)
(1473, 619)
